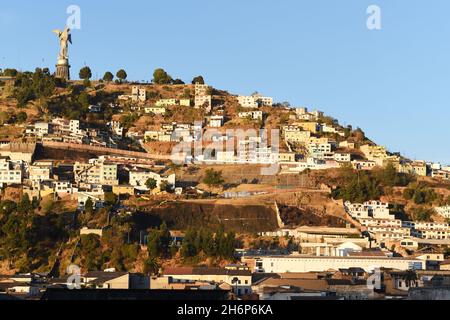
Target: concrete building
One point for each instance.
(319, 148)
(18, 151)
(10, 174)
(165, 103)
(443, 211)
(139, 178)
(296, 134)
(203, 101)
(313, 127)
(254, 115)
(158, 110)
(216, 121)
(96, 172)
(255, 101)
(39, 173)
(342, 157)
(138, 94)
(373, 209)
(240, 279)
(292, 263)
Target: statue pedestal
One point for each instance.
(63, 69)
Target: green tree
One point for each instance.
(160, 76)
(10, 72)
(25, 206)
(154, 244)
(21, 117)
(4, 117)
(122, 75)
(108, 77)
(165, 186)
(213, 178)
(89, 206)
(85, 73)
(91, 256)
(199, 80)
(188, 248)
(178, 81)
(84, 99)
(151, 184)
(110, 198)
(151, 266)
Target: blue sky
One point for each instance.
(393, 83)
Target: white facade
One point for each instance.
(369, 209)
(255, 115)
(255, 101)
(216, 121)
(96, 173)
(342, 157)
(443, 211)
(291, 264)
(155, 110)
(39, 173)
(139, 178)
(9, 174)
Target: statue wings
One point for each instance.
(59, 33)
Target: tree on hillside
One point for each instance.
(85, 73)
(151, 184)
(10, 72)
(21, 117)
(122, 75)
(199, 80)
(29, 86)
(108, 77)
(84, 99)
(178, 81)
(151, 266)
(160, 76)
(213, 178)
(110, 198)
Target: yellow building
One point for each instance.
(286, 157)
(123, 189)
(312, 127)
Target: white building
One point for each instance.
(39, 173)
(225, 156)
(216, 121)
(139, 178)
(369, 209)
(64, 188)
(97, 198)
(158, 110)
(292, 264)
(165, 103)
(443, 211)
(315, 148)
(255, 115)
(342, 157)
(96, 172)
(138, 94)
(9, 173)
(201, 101)
(255, 101)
